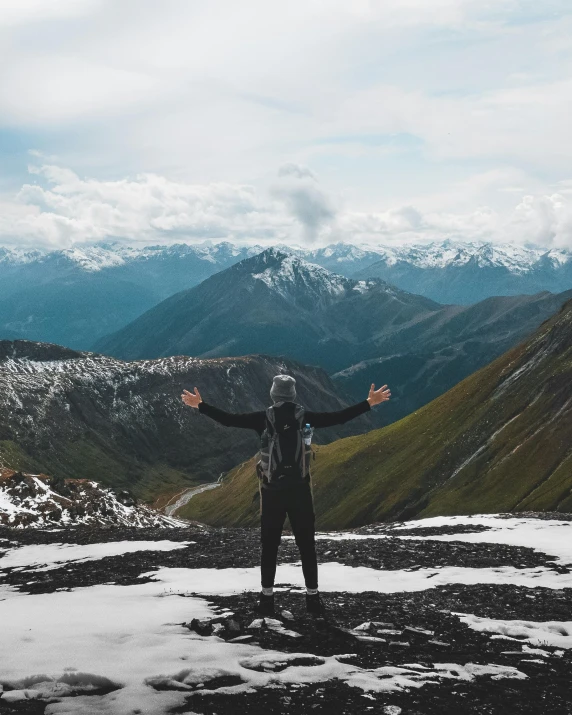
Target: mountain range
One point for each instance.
(498, 441)
(360, 331)
(452, 272)
(72, 414)
(74, 296)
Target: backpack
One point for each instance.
(284, 457)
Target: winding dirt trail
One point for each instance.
(188, 494)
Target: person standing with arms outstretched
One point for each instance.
(285, 488)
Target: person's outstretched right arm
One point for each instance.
(329, 419)
(248, 420)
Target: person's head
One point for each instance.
(283, 389)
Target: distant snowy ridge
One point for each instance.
(110, 254)
(40, 501)
(437, 254)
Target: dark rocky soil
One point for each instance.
(237, 547)
(425, 629)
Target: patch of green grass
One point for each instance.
(85, 459)
(14, 457)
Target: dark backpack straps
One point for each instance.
(273, 438)
(299, 417)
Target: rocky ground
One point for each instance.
(416, 631)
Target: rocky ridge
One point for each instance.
(40, 501)
(122, 424)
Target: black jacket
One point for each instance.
(257, 420)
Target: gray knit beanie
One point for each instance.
(283, 389)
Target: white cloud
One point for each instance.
(509, 124)
(298, 188)
(546, 220)
(62, 209)
(67, 88)
(15, 12)
(65, 209)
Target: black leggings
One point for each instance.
(298, 504)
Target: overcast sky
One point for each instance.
(300, 121)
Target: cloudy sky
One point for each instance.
(306, 121)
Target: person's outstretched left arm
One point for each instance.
(328, 419)
(247, 420)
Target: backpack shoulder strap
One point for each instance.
(300, 451)
(274, 445)
(270, 415)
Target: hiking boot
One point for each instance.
(265, 605)
(315, 605)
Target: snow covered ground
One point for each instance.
(125, 649)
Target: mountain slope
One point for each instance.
(71, 311)
(274, 303)
(422, 360)
(500, 440)
(82, 415)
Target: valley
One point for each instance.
(122, 424)
(499, 439)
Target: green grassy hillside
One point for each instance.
(500, 440)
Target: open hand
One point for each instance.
(193, 400)
(377, 396)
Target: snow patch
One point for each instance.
(43, 557)
(556, 634)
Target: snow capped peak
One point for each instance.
(272, 254)
(95, 258)
(287, 273)
(558, 256)
(345, 250)
(514, 257)
(19, 255)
